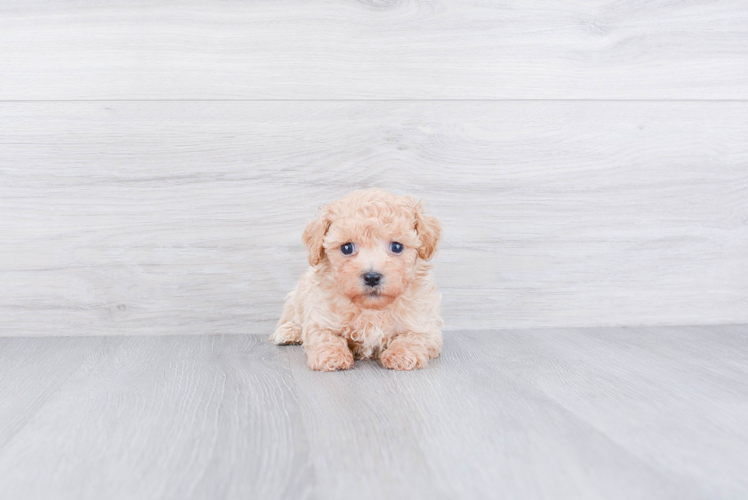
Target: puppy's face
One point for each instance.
(372, 263)
(372, 240)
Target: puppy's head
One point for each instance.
(372, 240)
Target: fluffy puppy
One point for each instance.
(368, 292)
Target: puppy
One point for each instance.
(368, 293)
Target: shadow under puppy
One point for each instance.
(368, 293)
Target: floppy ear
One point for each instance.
(314, 236)
(429, 230)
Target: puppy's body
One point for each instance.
(367, 331)
(376, 302)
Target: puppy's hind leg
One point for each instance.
(288, 330)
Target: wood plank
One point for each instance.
(371, 49)
(674, 397)
(465, 427)
(185, 218)
(535, 414)
(156, 417)
(31, 371)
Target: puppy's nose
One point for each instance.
(372, 279)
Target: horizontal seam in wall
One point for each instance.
(8, 101)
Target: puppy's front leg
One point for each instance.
(326, 351)
(411, 350)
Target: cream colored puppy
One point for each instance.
(368, 293)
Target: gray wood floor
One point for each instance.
(657, 412)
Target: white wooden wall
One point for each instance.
(158, 162)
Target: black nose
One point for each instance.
(372, 278)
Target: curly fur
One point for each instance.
(337, 316)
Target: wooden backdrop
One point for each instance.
(158, 161)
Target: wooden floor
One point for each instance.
(646, 412)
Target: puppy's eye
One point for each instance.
(396, 247)
(347, 249)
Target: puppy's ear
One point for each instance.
(314, 236)
(429, 230)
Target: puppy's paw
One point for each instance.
(287, 333)
(329, 358)
(403, 357)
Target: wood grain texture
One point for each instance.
(151, 418)
(650, 413)
(373, 49)
(601, 375)
(463, 428)
(185, 218)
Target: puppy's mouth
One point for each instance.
(373, 299)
